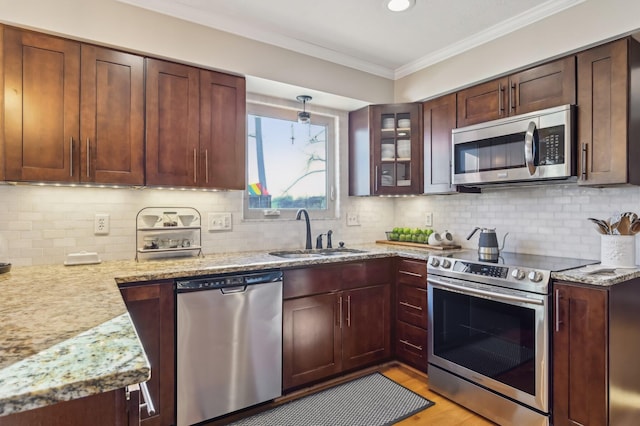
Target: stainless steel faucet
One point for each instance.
(306, 218)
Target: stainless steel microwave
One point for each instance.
(528, 147)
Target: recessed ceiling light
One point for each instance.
(400, 5)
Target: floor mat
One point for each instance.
(373, 400)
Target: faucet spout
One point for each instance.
(306, 218)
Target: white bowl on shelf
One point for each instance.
(150, 220)
(404, 123)
(388, 123)
(187, 219)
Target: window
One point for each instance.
(289, 164)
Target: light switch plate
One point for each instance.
(428, 220)
(219, 221)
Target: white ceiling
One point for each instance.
(363, 34)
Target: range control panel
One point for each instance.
(502, 275)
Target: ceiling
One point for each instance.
(363, 34)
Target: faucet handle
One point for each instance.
(329, 233)
(319, 241)
(341, 244)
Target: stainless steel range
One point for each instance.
(489, 332)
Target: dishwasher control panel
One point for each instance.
(226, 281)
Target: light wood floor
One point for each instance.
(443, 413)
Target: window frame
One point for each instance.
(290, 112)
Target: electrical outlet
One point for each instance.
(101, 224)
(353, 219)
(428, 219)
(219, 221)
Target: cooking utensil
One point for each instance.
(602, 225)
(488, 243)
(624, 226)
(635, 227)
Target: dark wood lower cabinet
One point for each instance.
(151, 307)
(596, 347)
(328, 330)
(115, 408)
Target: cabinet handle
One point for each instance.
(409, 305)
(148, 402)
(340, 311)
(558, 322)
(500, 105)
(348, 311)
(195, 165)
(375, 179)
(413, 274)
(411, 345)
(512, 97)
(88, 156)
(583, 173)
(206, 165)
(71, 156)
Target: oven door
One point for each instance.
(497, 338)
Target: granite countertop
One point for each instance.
(66, 332)
(597, 275)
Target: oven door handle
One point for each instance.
(484, 293)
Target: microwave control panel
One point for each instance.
(551, 146)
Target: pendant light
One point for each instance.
(303, 116)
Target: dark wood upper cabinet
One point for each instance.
(195, 127)
(222, 130)
(439, 119)
(112, 117)
(537, 88)
(385, 150)
(74, 112)
(172, 111)
(609, 114)
(42, 107)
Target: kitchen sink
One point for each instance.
(301, 254)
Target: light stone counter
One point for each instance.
(597, 275)
(65, 332)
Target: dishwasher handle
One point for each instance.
(233, 290)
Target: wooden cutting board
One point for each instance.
(419, 245)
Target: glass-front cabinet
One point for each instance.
(384, 150)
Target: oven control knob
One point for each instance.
(518, 274)
(435, 262)
(535, 276)
(446, 263)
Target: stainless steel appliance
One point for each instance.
(488, 243)
(527, 147)
(229, 344)
(489, 332)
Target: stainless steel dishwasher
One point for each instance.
(229, 343)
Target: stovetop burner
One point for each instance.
(525, 272)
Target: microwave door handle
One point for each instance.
(530, 140)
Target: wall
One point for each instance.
(42, 224)
(111, 23)
(573, 29)
(544, 220)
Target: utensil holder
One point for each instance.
(618, 251)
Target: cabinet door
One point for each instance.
(172, 117)
(151, 307)
(602, 114)
(112, 117)
(412, 305)
(580, 342)
(42, 107)
(411, 345)
(222, 130)
(311, 339)
(545, 86)
(366, 336)
(396, 148)
(439, 119)
(103, 409)
(483, 102)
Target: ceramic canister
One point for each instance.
(618, 251)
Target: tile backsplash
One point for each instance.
(544, 220)
(42, 224)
